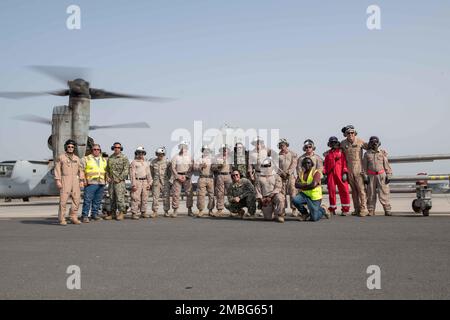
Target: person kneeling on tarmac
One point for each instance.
(241, 194)
(310, 192)
(268, 187)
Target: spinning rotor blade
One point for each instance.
(63, 73)
(33, 118)
(24, 94)
(103, 94)
(132, 125)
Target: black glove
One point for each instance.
(387, 180)
(366, 179)
(345, 177)
(324, 179)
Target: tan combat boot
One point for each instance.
(388, 213)
(174, 213)
(144, 215)
(134, 217)
(280, 219)
(63, 222)
(211, 213)
(108, 217)
(371, 213)
(74, 218)
(154, 214)
(294, 212)
(120, 216)
(200, 214)
(219, 213)
(363, 213)
(166, 214)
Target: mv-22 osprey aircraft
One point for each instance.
(24, 179)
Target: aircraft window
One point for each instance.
(6, 170)
(34, 170)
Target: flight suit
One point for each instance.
(269, 184)
(286, 170)
(69, 171)
(181, 165)
(245, 190)
(205, 184)
(141, 179)
(222, 168)
(376, 167)
(117, 171)
(335, 165)
(160, 171)
(354, 153)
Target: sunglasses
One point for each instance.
(308, 147)
(95, 149)
(70, 147)
(351, 132)
(117, 147)
(235, 175)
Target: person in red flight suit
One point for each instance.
(335, 170)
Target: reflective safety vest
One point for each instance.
(313, 194)
(95, 170)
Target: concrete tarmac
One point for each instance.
(225, 258)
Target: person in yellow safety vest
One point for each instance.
(310, 192)
(94, 168)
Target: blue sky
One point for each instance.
(306, 68)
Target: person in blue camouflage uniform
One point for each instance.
(117, 171)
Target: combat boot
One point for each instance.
(144, 215)
(294, 212)
(211, 213)
(120, 216)
(174, 213)
(363, 213)
(200, 214)
(371, 213)
(388, 213)
(74, 219)
(280, 219)
(63, 222)
(219, 213)
(166, 214)
(85, 220)
(108, 217)
(134, 217)
(328, 212)
(260, 214)
(190, 213)
(154, 214)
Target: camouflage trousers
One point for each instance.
(205, 186)
(359, 197)
(288, 189)
(157, 188)
(249, 202)
(139, 197)
(176, 193)
(276, 207)
(223, 182)
(117, 192)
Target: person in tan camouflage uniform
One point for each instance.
(160, 170)
(182, 167)
(205, 184)
(141, 180)
(68, 177)
(286, 170)
(222, 169)
(268, 188)
(353, 148)
(377, 174)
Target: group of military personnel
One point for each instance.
(260, 180)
